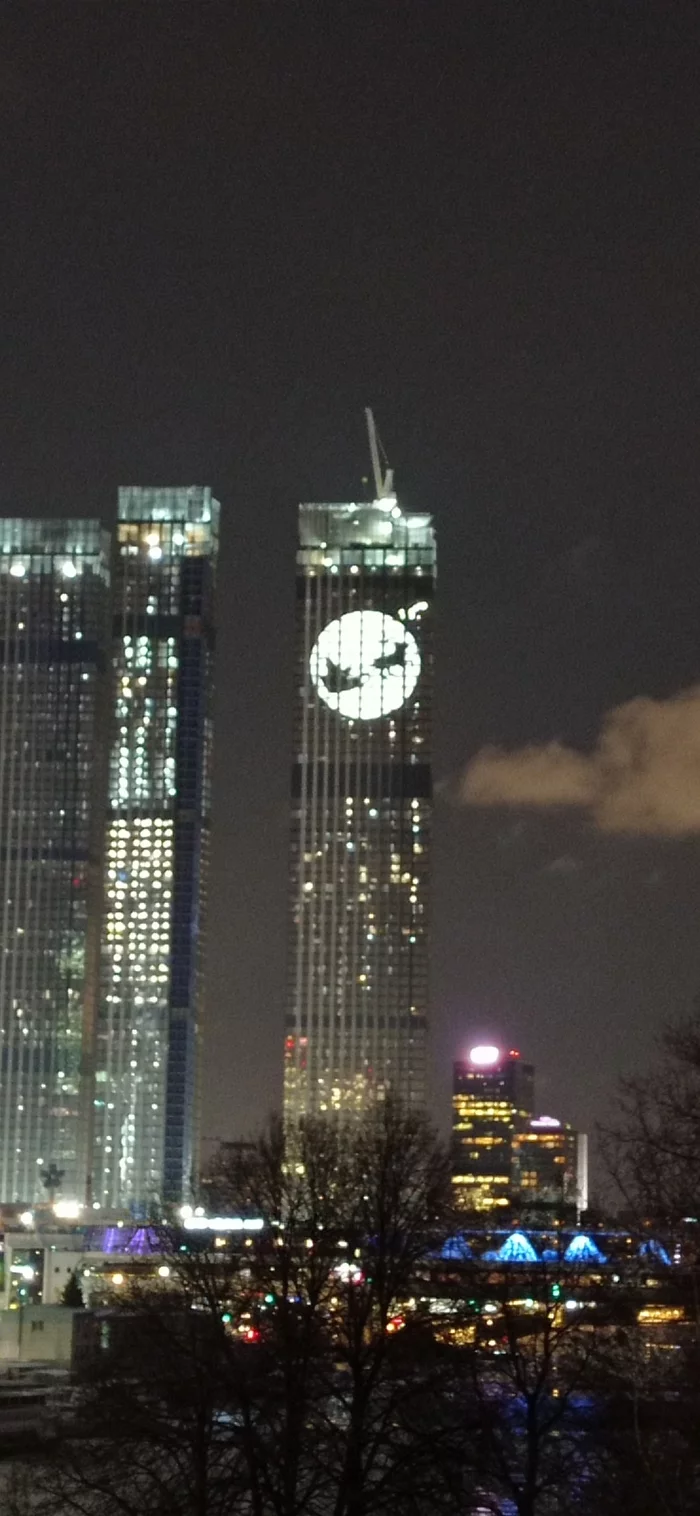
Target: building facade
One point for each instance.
(361, 808)
(551, 1165)
(157, 844)
(54, 587)
(492, 1101)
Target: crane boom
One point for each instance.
(383, 483)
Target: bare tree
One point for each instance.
(529, 1384)
(652, 1150)
(652, 1153)
(274, 1373)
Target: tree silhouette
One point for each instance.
(52, 1179)
(72, 1293)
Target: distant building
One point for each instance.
(550, 1165)
(54, 587)
(157, 846)
(492, 1102)
(361, 807)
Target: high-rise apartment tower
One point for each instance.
(157, 845)
(361, 807)
(53, 646)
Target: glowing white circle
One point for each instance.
(484, 1055)
(365, 665)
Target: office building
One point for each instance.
(492, 1101)
(54, 585)
(550, 1165)
(156, 852)
(361, 807)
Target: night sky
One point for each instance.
(227, 228)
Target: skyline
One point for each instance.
(223, 239)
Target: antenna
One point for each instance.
(383, 484)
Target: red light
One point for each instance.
(514, 1053)
(252, 1335)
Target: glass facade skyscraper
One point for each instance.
(361, 808)
(54, 585)
(156, 846)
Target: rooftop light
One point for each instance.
(484, 1055)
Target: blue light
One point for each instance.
(582, 1249)
(517, 1249)
(456, 1247)
(654, 1251)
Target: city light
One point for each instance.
(485, 1055)
(24, 1270)
(27, 1218)
(67, 1210)
(517, 1249)
(204, 1223)
(583, 1249)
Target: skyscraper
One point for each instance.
(54, 587)
(493, 1095)
(361, 807)
(157, 845)
(551, 1164)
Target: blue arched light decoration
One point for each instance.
(517, 1249)
(144, 1240)
(582, 1249)
(457, 1248)
(654, 1251)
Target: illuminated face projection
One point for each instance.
(365, 665)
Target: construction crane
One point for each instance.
(383, 482)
